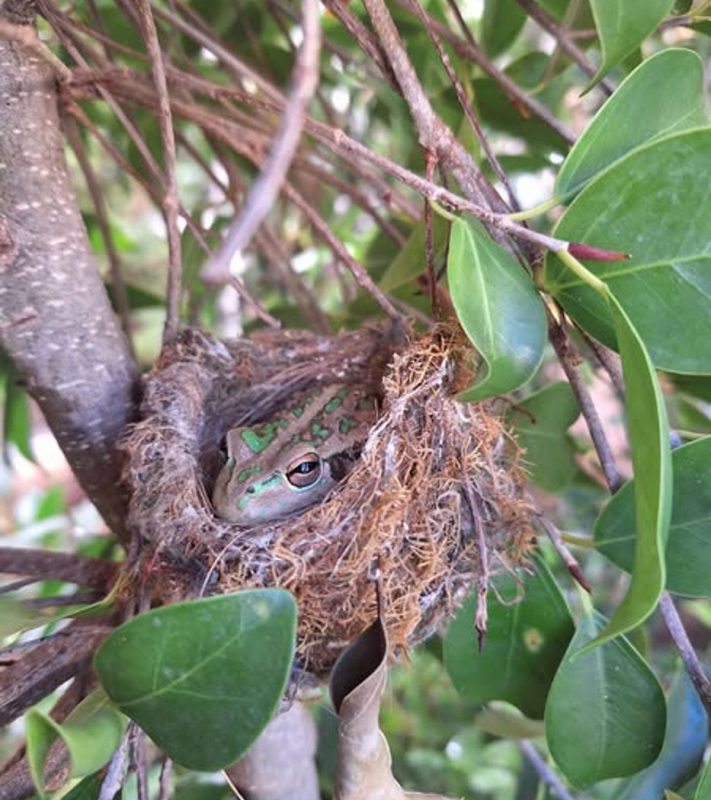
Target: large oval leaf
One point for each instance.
(540, 423)
(622, 25)
(526, 642)
(652, 204)
(203, 678)
(688, 552)
(651, 459)
(663, 95)
(606, 715)
(499, 309)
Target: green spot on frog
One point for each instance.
(318, 430)
(258, 440)
(336, 401)
(253, 492)
(345, 424)
(247, 473)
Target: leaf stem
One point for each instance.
(582, 272)
(536, 211)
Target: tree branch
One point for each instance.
(58, 326)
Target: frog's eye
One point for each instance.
(305, 471)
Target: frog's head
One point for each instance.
(290, 462)
(255, 493)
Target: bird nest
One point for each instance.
(434, 504)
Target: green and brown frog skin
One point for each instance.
(291, 462)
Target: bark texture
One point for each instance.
(56, 322)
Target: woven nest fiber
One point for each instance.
(437, 481)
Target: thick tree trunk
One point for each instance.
(56, 322)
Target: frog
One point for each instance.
(291, 462)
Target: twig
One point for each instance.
(467, 48)
(165, 783)
(610, 362)
(481, 617)
(26, 36)
(430, 163)
(432, 132)
(128, 84)
(545, 773)
(116, 772)
(266, 188)
(356, 269)
(678, 633)
(170, 200)
(565, 555)
(102, 219)
(467, 108)
(94, 573)
(569, 359)
(561, 35)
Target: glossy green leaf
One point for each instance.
(622, 25)
(652, 204)
(410, 261)
(220, 663)
(501, 23)
(499, 309)
(91, 734)
(525, 643)
(540, 423)
(88, 788)
(688, 552)
(606, 714)
(662, 96)
(651, 459)
(683, 748)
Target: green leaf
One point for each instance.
(91, 734)
(507, 724)
(703, 790)
(606, 715)
(17, 426)
(688, 551)
(222, 663)
(499, 309)
(652, 204)
(683, 748)
(622, 25)
(525, 643)
(88, 788)
(410, 261)
(662, 96)
(651, 460)
(501, 23)
(541, 423)
(16, 617)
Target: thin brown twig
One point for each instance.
(128, 83)
(432, 132)
(570, 359)
(467, 48)
(355, 268)
(680, 637)
(102, 219)
(266, 188)
(481, 618)
(170, 199)
(571, 563)
(466, 107)
(545, 773)
(561, 35)
(430, 164)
